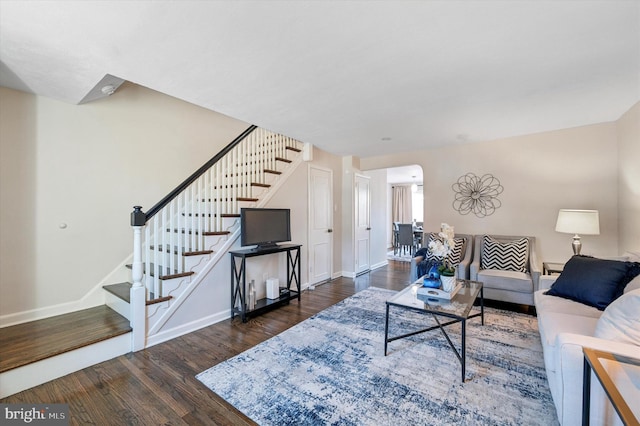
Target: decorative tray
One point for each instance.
(439, 293)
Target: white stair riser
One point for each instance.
(281, 166)
(258, 191)
(270, 178)
(169, 287)
(25, 377)
(191, 263)
(118, 305)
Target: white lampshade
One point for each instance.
(585, 222)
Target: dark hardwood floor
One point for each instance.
(158, 385)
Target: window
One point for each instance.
(417, 203)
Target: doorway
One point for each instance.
(362, 225)
(320, 260)
(410, 178)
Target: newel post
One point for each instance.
(138, 291)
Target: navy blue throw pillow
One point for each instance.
(594, 282)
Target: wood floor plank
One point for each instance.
(158, 385)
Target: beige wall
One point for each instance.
(629, 180)
(541, 173)
(86, 166)
(18, 145)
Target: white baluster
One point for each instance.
(157, 268)
(137, 293)
(172, 235)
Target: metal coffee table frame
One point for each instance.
(406, 299)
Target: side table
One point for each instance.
(549, 268)
(593, 361)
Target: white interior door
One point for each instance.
(362, 223)
(320, 224)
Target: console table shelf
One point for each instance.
(239, 280)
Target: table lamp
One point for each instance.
(586, 222)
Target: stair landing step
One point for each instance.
(33, 341)
(123, 291)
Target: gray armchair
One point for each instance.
(506, 285)
(462, 270)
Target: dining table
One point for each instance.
(418, 234)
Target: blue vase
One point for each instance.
(432, 279)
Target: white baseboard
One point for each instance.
(192, 326)
(37, 373)
(380, 265)
(49, 311)
(183, 329)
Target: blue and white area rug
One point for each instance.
(331, 369)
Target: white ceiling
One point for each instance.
(353, 77)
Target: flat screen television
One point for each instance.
(264, 228)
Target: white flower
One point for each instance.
(443, 248)
(437, 248)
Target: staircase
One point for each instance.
(176, 244)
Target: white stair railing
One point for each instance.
(183, 221)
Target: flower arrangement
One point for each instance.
(443, 249)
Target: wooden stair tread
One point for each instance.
(206, 233)
(290, 148)
(238, 185)
(123, 291)
(226, 215)
(168, 273)
(184, 251)
(252, 163)
(231, 199)
(33, 341)
(241, 185)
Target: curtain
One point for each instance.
(401, 204)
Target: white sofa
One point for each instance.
(565, 328)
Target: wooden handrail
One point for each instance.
(162, 203)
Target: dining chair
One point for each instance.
(394, 226)
(406, 238)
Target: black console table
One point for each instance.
(239, 280)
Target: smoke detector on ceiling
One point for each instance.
(108, 90)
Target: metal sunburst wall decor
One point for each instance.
(477, 194)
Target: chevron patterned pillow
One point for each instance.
(509, 256)
(456, 253)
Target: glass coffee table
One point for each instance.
(445, 312)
